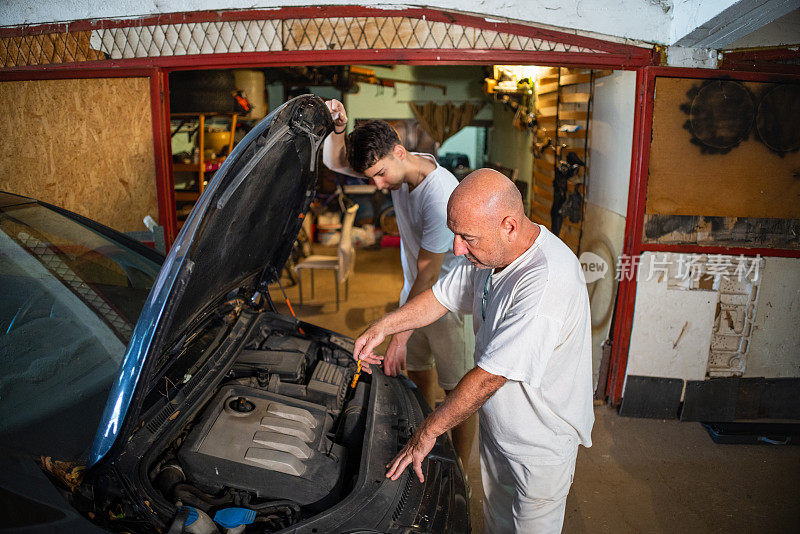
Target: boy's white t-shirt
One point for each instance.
(536, 333)
(422, 220)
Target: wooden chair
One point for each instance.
(342, 264)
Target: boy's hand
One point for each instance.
(337, 114)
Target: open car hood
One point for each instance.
(242, 228)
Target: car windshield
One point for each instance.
(70, 299)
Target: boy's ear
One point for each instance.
(399, 152)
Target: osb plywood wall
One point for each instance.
(724, 165)
(85, 145)
(746, 180)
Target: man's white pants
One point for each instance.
(523, 498)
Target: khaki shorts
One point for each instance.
(444, 343)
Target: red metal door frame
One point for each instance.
(637, 196)
(781, 59)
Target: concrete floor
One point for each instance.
(641, 475)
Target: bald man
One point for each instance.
(532, 379)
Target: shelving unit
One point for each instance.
(203, 167)
(563, 96)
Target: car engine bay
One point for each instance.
(281, 437)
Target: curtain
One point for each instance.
(444, 120)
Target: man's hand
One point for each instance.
(469, 394)
(395, 360)
(365, 346)
(337, 114)
(413, 453)
(416, 313)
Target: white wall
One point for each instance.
(658, 348)
(612, 140)
(607, 193)
(509, 146)
(371, 102)
(687, 15)
(775, 341)
(469, 141)
(648, 20)
(603, 233)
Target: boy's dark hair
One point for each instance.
(370, 142)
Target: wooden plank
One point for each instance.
(541, 177)
(580, 134)
(573, 79)
(540, 192)
(547, 185)
(572, 115)
(579, 150)
(550, 71)
(544, 166)
(541, 207)
(546, 122)
(548, 112)
(547, 88)
(201, 181)
(535, 218)
(185, 167)
(548, 99)
(575, 98)
(540, 213)
(186, 196)
(543, 180)
(233, 133)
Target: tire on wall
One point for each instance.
(205, 91)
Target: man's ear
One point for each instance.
(509, 227)
(399, 152)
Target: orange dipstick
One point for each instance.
(357, 375)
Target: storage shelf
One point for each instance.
(186, 196)
(185, 167)
(200, 169)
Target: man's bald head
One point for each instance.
(486, 215)
(488, 194)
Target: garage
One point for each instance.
(670, 176)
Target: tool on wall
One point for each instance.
(566, 168)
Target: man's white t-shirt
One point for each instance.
(534, 328)
(422, 220)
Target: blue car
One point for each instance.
(143, 393)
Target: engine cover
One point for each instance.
(270, 444)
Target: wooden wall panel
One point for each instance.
(748, 181)
(83, 144)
